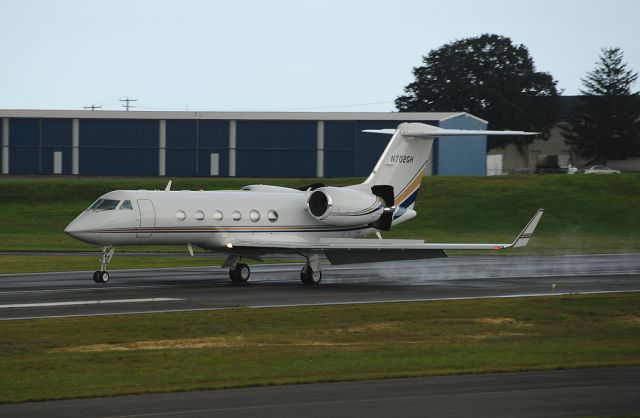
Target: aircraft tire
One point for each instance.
(310, 277)
(102, 276)
(303, 275)
(95, 276)
(240, 274)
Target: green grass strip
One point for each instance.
(104, 356)
(584, 213)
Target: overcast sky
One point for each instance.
(288, 55)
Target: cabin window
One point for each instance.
(199, 215)
(236, 215)
(217, 215)
(272, 215)
(126, 205)
(107, 204)
(180, 215)
(254, 215)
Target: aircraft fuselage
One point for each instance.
(208, 219)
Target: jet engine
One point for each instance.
(346, 207)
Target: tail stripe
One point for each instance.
(413, 186)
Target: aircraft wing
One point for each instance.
(356, 250)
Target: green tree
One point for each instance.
(489, 77)
(606, 122)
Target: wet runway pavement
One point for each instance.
(204, 288)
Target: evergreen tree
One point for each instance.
(489, 77)
(606, 122)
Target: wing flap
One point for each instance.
(366, 255)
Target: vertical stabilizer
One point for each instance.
(402, 164)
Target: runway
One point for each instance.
(561, 393)
(46, 295)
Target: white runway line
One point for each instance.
(85, 302)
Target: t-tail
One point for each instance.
(404, 160)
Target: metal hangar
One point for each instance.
(227, 144)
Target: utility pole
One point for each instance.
(93, 107)
(127, 102)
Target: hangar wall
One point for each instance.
(246, 144)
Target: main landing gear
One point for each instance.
(238, 272)
(102, 276)
(310, 273)
(309, 276)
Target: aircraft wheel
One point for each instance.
(310, 277)
(101, 276)
(303, 275)
(240, 274)
(95, 276)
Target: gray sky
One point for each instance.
(277, 54)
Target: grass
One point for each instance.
(83, 357)
(584, 214)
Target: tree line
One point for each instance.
(491, 77)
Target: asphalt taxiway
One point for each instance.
(560, 393)
(46, 295)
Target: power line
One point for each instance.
(127, 102)
(93, 107)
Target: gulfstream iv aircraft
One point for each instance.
(312, 222)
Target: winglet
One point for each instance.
(527, 232)
(168, 188)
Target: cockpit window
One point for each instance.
(107, 204)
(95, 204)
(126, 205)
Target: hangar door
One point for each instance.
(147, 218)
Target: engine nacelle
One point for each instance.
(344, 207)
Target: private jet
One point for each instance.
(314, 221)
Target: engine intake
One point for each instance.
(342, 206)
(318, 204)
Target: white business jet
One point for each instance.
(312, 221)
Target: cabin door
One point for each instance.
(147, 218)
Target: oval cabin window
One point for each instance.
(217, 215)
(254, 215)
(236, 215)
(199, 215)
(180, 215)
(272, 215)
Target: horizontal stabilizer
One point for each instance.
(425, 130)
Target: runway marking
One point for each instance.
(453, 298)
(221, 308)
(85, 302)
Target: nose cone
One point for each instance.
(71, 229)
(82, 229)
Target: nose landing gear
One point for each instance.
(102, 276)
